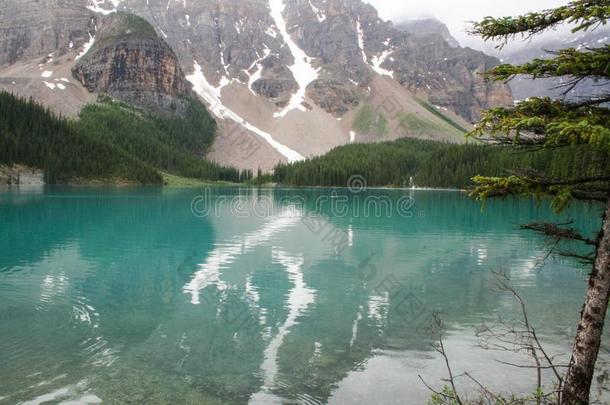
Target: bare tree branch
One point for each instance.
(556, 231)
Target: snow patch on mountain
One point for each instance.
(86, 47)
(301, 69)
(208, 92)
(271, 32)
(212, 96)
(96, 6)
(377, 61)
(361, 40)
(254, 77)
(320, 14)
(259, 70)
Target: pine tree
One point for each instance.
(545, 123)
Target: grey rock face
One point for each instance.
(333, 96)
(238, 40)
(449, 75)
(429, 63)
(345, 39)
(33, 28)
(129, 62)
(229, 39)
(226, 37)
(276, 82)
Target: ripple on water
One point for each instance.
(97, 305)
(62, 332)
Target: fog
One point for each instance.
(458, 14)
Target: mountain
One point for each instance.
(38, 44)
(130, 63)
(32, 29)
(424, 27)
(145, 121)
(285, 80)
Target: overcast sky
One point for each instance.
(456, 13)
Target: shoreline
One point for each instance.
(93, 185)
(365, 189)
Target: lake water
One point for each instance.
(236, 296)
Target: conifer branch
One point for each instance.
(557, 232)
(593, 63)
(563, 191)
(547, 122)
(586, 14)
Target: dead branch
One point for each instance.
(556, 231)
(537, 345)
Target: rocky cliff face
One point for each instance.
(129, 62)
(449, 76)
(31, 28)
(286, 79)
(343, 42)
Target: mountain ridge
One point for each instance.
(292, 75)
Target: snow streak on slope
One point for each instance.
(320, 14)
(212, 96)
(86, 47)
(378, 61)
(361, 40)
(96, 6)
(302, 70)
(259, 69)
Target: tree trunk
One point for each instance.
(588, 336)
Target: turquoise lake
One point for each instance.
(264, 296)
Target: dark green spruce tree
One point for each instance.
(545, 123)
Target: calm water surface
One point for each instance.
(128, 296)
